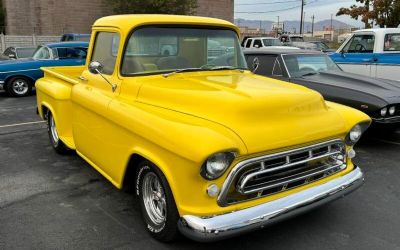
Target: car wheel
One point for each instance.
(19, 86)
(55, 141)
(159, 211)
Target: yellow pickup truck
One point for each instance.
(166, 106)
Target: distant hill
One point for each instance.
(291, 25)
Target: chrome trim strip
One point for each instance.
(387, 119)
(291, 180)
(232, 174)
(206, 229)
(16, 71)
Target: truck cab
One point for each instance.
(371, 52)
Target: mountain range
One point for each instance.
(291, 26)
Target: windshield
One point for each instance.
(25, 52)
(308, 64)
(41, 53)
(272, 42)
(154, 50)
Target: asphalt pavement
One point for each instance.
(48, 201)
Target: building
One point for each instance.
(55, 17)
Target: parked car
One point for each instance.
(210, 149)
(75, 37)
(251, 43)
(289, 38)
(17, 53)
(17, 77)
(380, 99)
(371, 52)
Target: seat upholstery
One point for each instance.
(131, 66)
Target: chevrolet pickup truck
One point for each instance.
(210, 149)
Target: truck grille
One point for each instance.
(270, 174)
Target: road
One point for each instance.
(48, 201)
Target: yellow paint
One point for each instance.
(179, 121)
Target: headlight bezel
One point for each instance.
(351, 139)
(205, 168)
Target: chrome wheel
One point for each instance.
(20, 86)
(154, 199)
(53, 130)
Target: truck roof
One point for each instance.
(128, 22)
(380, 30)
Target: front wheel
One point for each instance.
(57, 144)
(159, 211)
(19, 87)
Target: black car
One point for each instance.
(378, 98)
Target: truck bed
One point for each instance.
(69, 74)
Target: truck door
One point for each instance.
(357, 56)
(91, 99)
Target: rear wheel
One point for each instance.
(57, 144)
(19, 86)
(159, 211)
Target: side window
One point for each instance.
(277, 70)
(248, 43)
(105, 50)
(392, 42)
(257, 43)
(360, 44)
(70, 53)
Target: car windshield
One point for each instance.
(308, 64)
(272, 42)
(41, 53)
(155, 50)
(25, 52)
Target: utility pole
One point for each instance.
(331, 27)
(312, 25)
(304, 22)
(301, 19)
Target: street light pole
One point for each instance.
(331, 28)
(277, 29)
(312, 26)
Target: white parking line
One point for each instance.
(20, 124)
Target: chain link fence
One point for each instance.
(25, 41)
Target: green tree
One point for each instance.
(178, 7)
(384, 13)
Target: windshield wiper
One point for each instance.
(225, 68)
(181, 70)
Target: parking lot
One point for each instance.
(49, 201)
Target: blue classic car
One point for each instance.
(17, 77)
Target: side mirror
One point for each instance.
(97, 68)
(12, 56)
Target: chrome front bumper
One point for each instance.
(238, 222)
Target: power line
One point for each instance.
(268, 3)
(272, 11)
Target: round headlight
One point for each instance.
(392, 110)
(355, 133)
(383, 111)
(216, 165)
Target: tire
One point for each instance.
(55, 141)
(19, 86)
(157, 203)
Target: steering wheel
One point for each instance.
(360, 47)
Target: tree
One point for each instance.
(179, 7)
(384, 13)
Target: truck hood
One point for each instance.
(265, 113)
(386, 90)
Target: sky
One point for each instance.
(289, 10)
